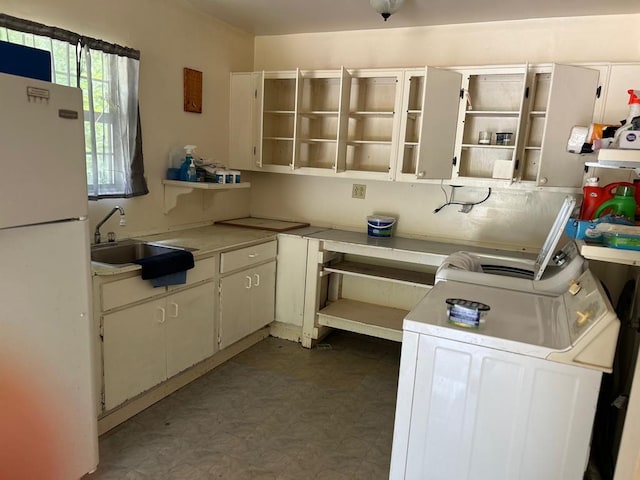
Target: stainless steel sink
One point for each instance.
(126, 251)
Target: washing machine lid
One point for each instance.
(551, 242)
(519, 322)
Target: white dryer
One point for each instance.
(514, 397)
(550, 273)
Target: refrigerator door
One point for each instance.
(42, 152)
(48, 406)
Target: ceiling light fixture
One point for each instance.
(386, 7)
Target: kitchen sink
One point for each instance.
(126, 251)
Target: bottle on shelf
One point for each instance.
(188, 168)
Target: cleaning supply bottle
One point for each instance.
(634, 111)
(188, 167)
(624, 203)
(591, 198)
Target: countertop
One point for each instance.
(204, 240)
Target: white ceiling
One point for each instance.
(277, 17)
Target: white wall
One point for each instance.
(171, 36)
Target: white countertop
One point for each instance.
(204, 240)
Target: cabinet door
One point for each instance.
(492, 102)
(190, 327)
(263, 296)
(428, 125)
(278, 130)
(133, 351)
(235, 307)
(318, 120)
(562, 99)
(244, 120)
(375, 99)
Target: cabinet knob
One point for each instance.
(175, 310)
(162, 315)
(543, 180)
(248, 285)
(421, 174)
(257, 279)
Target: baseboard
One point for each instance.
(286, 331)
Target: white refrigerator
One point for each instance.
(48, 410)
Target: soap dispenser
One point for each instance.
(188, 167)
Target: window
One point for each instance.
(108, 77)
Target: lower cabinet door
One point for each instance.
(235, 307)
(189, 327)
(263, 295)
(134, 351)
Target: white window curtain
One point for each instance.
(108, 77)
(111, 108)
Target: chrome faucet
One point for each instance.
(123, 221)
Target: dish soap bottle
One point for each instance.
(188, 167)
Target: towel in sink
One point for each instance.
(165, 264)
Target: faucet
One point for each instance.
(123, 221)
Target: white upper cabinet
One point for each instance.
(535, 107)
(415, 124)
(430, 99)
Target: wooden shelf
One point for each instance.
(174, 188)
(365, 318)
(493, 113)
(396, 275)
(493, 147)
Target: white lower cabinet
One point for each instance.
(145, 344)
(247, 302)
(247, 291)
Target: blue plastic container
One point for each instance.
(380, 226)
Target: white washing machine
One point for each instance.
(550, 273)
(514, 397)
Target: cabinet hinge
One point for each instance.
(255, 149)
(103, 399)
(526, 92)
(455, 161)
(101, 332)
(517, 163)
(462, 93)
(598, 91)
(255, 93)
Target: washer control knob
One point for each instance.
(574, 287)
(582, 317)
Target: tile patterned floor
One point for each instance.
(276, 411)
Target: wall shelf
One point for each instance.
(174, 188)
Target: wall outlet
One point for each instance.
(358, 191)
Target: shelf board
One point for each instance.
(320, 113)
(533, 148)
(318, 140)
(369, 142)
(365, 318)
(410, 144)
(279, 139)
(362, 113)
(608, 254)
(174, 188)
(492, 113)
(538, 113)
(278, 112)
(493, 147)
(396, 275)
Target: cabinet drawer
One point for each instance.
(244, 257)
(129, 290)
(134, 289)
(202, 270)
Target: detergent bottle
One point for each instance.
(623, 203)
(594, 196)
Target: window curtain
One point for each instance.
(113, 134)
